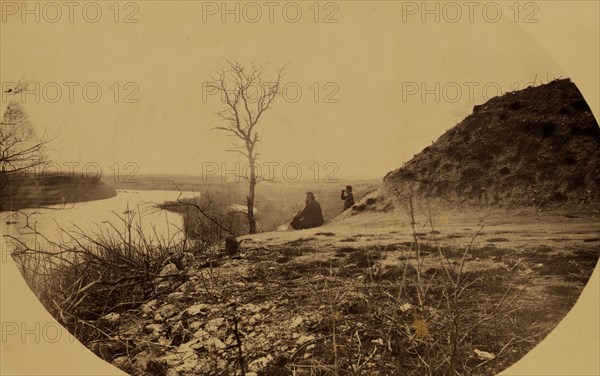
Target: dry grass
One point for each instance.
(419, 307)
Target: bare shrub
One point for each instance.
(209, 218)
(84, 277)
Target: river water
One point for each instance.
(95, 217)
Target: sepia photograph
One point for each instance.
(299, 188)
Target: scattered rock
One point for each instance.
(166, 311)
(111, 317)
(405, 307)
(189, 365)
(214, 324)
(168, 270)
(249, 307)
(150, 307)
(121, 362)
(304, 338)
(154, 329)
(255, 319)
(177, 295)
(260, 363)
(296, 321)
(198, 309)
(201, 334)
(171, 360)
(164, 286)
(214, 343)
(484, 355)
(189, 346)
(141, 360)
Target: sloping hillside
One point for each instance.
(536, 147)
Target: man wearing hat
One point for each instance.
(310, 216)
(348, 197)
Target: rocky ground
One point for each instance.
(341, 299)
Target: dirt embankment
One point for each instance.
(537, 147)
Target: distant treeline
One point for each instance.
(35, 190)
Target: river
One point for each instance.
(94, 217)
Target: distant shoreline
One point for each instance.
(52, 190)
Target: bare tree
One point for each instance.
(20, 150)
(246, 96)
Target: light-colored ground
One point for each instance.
(312, 301)
(505, 229)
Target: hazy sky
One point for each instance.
(372, 62)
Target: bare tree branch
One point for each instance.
(20, 151)
(243, 111)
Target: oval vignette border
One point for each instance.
(568, 350)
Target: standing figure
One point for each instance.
(348, 197)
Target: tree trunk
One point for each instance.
(250, 200)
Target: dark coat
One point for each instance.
(348, 199)
(310, 216)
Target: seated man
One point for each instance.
(310, 216)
